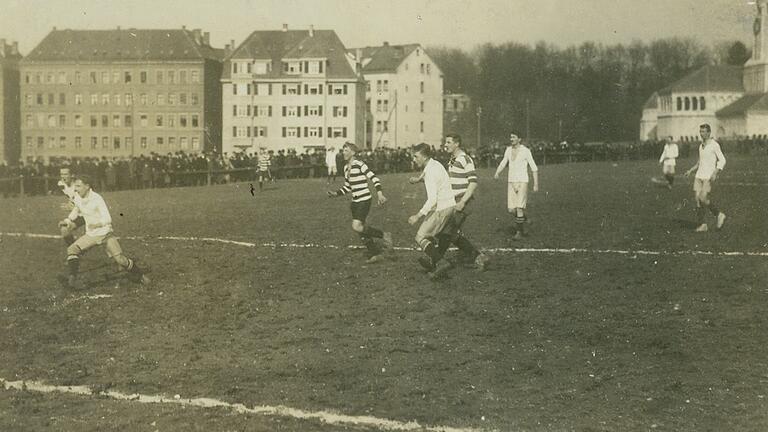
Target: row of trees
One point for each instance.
(589, 92)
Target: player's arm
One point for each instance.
(345, 189)
(693, 168)
(471, 186)
(503, 163)
(720, 163)
(414, 180)
(370, 175)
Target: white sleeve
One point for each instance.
(504, 161)
(429, 183)
(534, 168)
(106, 218)
(720, 157)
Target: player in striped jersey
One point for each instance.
(356, 176)
(264, 164)
(66, 181)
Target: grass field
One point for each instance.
(638, 329)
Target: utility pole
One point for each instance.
(479, 115)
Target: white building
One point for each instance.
(404, 96)
(732, 99)
(291, 89)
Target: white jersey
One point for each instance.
(330, 158)
(518, 167)
(68, 190)
(439, 191)
(711, 158)
(93, 209)
(669, 154)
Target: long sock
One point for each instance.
(713, 209)
(466, 247)
(370, 245)
(68, 239)
(261, 185)
(443, 243)
(700, 213)
(670, 179)
(431, 251)
(373, 232)
(73, 264)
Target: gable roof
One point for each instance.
(750, 102)
(276, 45)
(385, 58)
(122, 45)
(714, 78)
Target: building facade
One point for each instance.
(119, 93)
(732, 99)
(404, 96)
(291, 90)
(10, 119)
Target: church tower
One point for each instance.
(756, 69)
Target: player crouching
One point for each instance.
(98, 231)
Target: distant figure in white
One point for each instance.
(519, 158)
(668, 161)
(711, 163)
(330, 162)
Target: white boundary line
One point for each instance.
(264, 410)
(408, 249)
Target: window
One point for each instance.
(78, 142)
(428, 69)
(314, 67)
(93, 77)
(182, 77)
(294, 90)
(50, 98)
(385, 124)
(143, 77)
(234, 87)
(128, 120)
(695, 103)
(182, 98)
(290, 111)
(687, 103)
(143, 120)
(385, 85)
(127, 77)
(421, 86)
(702, 103)
(78, 99)
(183, 143)
(242, 110)
(260, 68)
(234, 67)
(195, 120)
(51, 121)
(40, 143)
(29, 143)
(159, 120)
(105, 99)
(378, 106)
(340, 111)
(128, 99)
(94, 121)
(78, 120)
(195, 76)
(264, 111)
(94, 99)
(159, 141)
(62, 99)
(260, 131)
(314, 110)
(194, 99)
(171, 120)
(421, 127)
(171, 77)
(51, 143)
(171, 99)
(62, 120)
(367, 86)
(116, 98)
(378, 126)
(49, 78)
(679, 104)
(143, 142)
(28, 120)
(28, 99)
(183, 120)
(160, 99)
(386, 106)
(104, 121)
(159, 77)
(421, 105)
(39, 98)
(195, 143)
(337, 132)
(62, 142)
(116, 143)
(115, 77)
(143, 99)
(116, 120)
(312, 132)
(171, 142)
(94, 143)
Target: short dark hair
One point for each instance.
(85, 178)
(424, 149)
(705, 126)
(456, 138)
(351, 146)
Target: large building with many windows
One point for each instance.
(404, 95)
(291, 89)
(123, 92)
(10, 123)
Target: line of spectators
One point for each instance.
(187, 169)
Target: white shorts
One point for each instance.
(668, 167)
(433, 224)
(517, 195)
(332, 170)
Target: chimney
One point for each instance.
(226, 47)
(54, 28)
(207, 38)
(386, 44)
(359, 61)
(183, 27)
(15, 48)
(232, 44)
(285, 27)
(198, 34)
(311, 30)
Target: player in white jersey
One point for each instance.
(330, 163)
(519, 158)
(65, 184)
(711, 162)
(98, 231)
(668, 160)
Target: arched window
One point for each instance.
(702, 103)
(687, 103)
(695, 103)
(679, 104)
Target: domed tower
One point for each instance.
(756, 69)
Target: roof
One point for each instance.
(385, 58)
(750, 102)
(717, 78)
(276, 45)
(652, 102)
(123, 45)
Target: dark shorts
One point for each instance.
(80, 221)
(360, 210)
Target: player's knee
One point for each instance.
(74, 250)
(358, 226)
(121, 260)
(520, 212)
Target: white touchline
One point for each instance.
(408, 249)
(265, 410)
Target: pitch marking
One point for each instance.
(263, 410)
(411, 249)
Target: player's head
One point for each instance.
(514, 140)
(65, 175)
(670, 139)
(349, 150)
(705, 131)
(82, 185)
(452, 142)
(422, 153)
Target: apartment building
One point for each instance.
(123, 92)
(291, 89)
(404, 95)
(10, 123)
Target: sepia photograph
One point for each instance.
(377, 216)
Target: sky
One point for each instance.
(452, 23)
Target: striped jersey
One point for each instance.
(461, 169)
(356, 176)
(264, 162)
